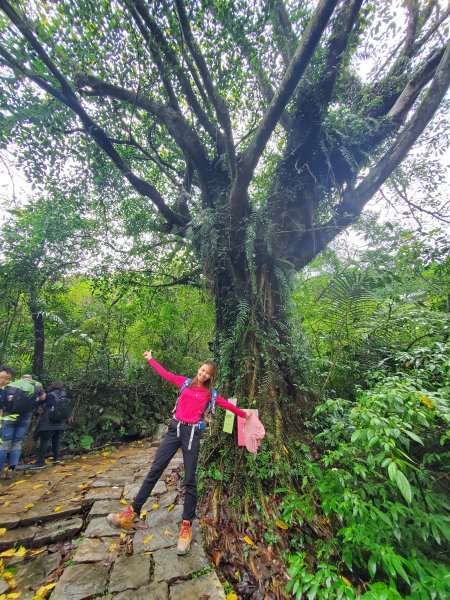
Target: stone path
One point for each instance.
(55, 542)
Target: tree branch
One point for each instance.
(163, 47)
(283, 29)
(181, 132)
(222, 113)
(354, 199)
(294, 72)
(100, 137)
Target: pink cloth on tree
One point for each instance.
(254, 433)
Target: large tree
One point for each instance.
(244, 128)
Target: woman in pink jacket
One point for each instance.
(184, 431)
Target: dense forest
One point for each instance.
(264, 185)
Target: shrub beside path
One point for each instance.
(55, 542)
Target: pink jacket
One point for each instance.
(193, 400)
(254, 433)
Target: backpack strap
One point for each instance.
(183, 387)
(210, 408)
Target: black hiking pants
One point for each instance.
(46, 436)
(169, 445)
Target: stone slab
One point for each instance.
(46, 512)
(81, 581)
(93, 550)
(207, 586)
(103, 493)
(58, 531)
(171, 567)
(23, 536)
(158, 517)
(167, 499)
(131, 490)
(114, 480)
(163, 537)
(154, 591)
(101, 508)
(129, 572)
(10, 521)
(32, 573)
(99, 528)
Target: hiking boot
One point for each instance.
(35, 467)
(123, 521)
(184, 541)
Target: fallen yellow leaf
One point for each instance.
(148, 539)
(106, 453)
(123, 536)
(169, 534)
(112, 547)
(84, 458)
(45, 588)
(7, 503)
(28, 506)
(123, 501)
(3, 530)
(99, 472)
(21, 551)
(37, 486)
(170, 507)
(112, 461)
(155, 506)
(232, 596)
(57, 508)
(345, 580)
(143, 514)
(18, 482)
(7, 553)
(248, 540)
(36, 552)
(8, 576)
(84, 486)
(147, 553)
(12, 583)
(14, 595)
(281, 524)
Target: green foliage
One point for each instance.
(379, 485)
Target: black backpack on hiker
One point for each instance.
(60, 410)
(20, 397)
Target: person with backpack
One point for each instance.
(52, 423)
(18, 405)
(196, 397)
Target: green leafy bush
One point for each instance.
(380, 487)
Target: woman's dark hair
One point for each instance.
(57, 385)
(210, 382)
(8, 370)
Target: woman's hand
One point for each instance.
(249, 412)
(148, 354)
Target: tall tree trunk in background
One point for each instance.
(39, 337)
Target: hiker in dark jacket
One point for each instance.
(48, 429)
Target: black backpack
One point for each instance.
(60, 410)
(20, 397)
